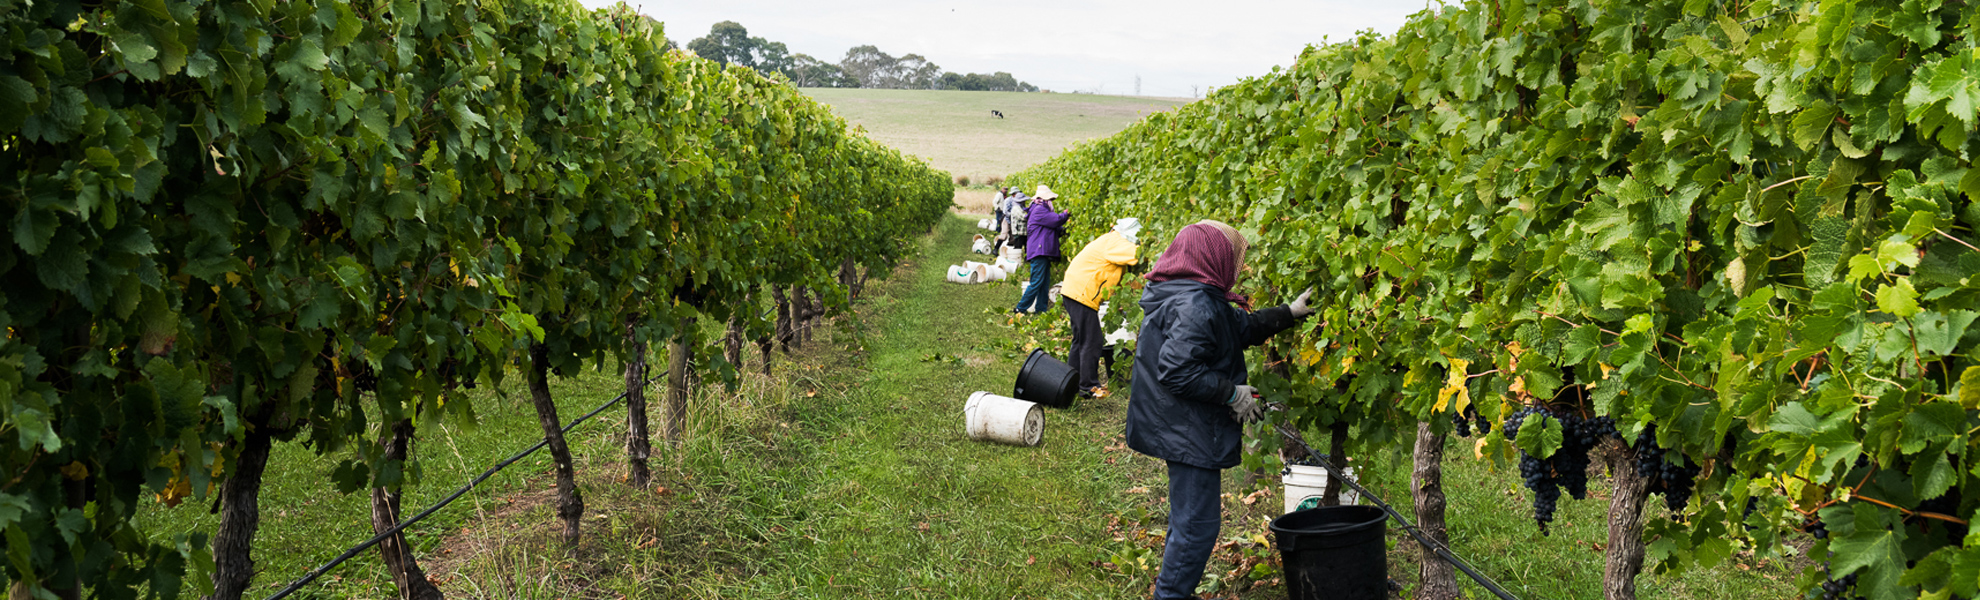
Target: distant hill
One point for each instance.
(955, 131)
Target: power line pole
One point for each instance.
(1137, 84)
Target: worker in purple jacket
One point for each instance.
(1043, 227)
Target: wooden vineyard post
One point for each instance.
(679, 360)
(1427, 485)
(639, 441)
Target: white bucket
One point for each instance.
(993, 418)
(1304, 482)
(964, 275)
(980, 246)
(1014, 254)
(982, 223)
(995, 274)
(1008, 265)
(982, 270)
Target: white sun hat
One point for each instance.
(1046, 193)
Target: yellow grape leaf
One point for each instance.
(1309, 357)
(1606, 368)
(1478, 449)
(1516, 351)
(1454, 388)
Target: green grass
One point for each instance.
(956, 133)
(847, 475)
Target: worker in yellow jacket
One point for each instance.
(1090, 277)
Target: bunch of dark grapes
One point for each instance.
(1838, 589)
(1673, 480)
(1537, 474)
(1580, 438)
(1816, 528)
(1461, 422)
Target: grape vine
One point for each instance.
(1750, 225)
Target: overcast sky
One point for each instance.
(1060, 45)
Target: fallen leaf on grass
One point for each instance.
(1030, 560)
(923, 526)
(1136, 490)
(660, 491)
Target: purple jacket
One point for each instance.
(1043, 228)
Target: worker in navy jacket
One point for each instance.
(1188, 397)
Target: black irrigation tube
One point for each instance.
(319, 571)
(1439, 549)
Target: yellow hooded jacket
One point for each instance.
(1097, 269)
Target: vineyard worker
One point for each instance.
(1089, 277)
(1042, 228)
(996, 206)
(1014, 210)
(1188, 397)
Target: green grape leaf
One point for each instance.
(1539, 436)
(1875, 554)
(1812, 123)
(1900, 299)
(1969, 388)
(1939, 334)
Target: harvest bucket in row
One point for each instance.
(1046, 380)
(1304, 482)
(992, 418)
(1334, 552)
(965, 275)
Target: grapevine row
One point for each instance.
(1743, 231)
(233, 223)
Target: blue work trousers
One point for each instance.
(1195, 517)
(1037, 297)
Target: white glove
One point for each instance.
(1244, 407)
(1299, 308)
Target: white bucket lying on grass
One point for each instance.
(989, 417)
(982, 223)
(1005, 263)
(1014, 254)
(1304, 482)
(981, 245)
(984, 272)
(964, 275)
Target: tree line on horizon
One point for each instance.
(728, 42)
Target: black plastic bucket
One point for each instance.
(1334, 552)
(1045, 380)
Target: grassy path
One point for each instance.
(904, 505)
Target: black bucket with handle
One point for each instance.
(1334, 552)
(1046, 380)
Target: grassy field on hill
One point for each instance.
(956, 132)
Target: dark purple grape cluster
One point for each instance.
(1672, 479)
(1581, 438)
(1838, 589)
(1567, 469)
(1462, 422)
(1537, 474)
(1816, 528)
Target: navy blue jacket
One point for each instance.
(1187, 360)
